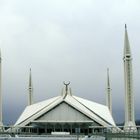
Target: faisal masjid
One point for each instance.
(69, 113)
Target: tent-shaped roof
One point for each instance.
(96, 112)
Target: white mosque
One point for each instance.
(66, 112)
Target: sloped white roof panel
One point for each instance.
(76, 104)
(99, 109)
(34, 108)
(95, 111)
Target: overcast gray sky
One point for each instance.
(67, 40)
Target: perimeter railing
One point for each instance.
(118, 131)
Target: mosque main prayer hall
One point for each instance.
(69, 113)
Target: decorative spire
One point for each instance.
(30, 100)
(30, 79)
(127, 51)
(108, 81)
(128, 77)
(125, 26)
(108, 96)
(66, 92)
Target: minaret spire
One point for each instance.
(125, 26)
(127, 51)
(30, 98)
(0, 92)
(108, 96)
(129, 97)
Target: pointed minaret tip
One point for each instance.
(107, 70)
(127, 51)
(125, 26)
(108, 80)
(108, 95)
(30, 96)
(30, 79)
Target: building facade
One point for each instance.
(65, 113)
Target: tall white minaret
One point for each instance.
(108, 94)
(129, 96)
(30, 98)
(0, 93)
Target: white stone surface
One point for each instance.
(30, 96)
(108, 94)
(94, 111)
(128, 77)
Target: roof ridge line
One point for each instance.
(96, 120)
(41, 109)
(92, 111)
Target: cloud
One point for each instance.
(66, 40)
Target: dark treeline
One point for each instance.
(122, 124)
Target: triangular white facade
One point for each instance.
(63, 112)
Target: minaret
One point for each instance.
(129, 97)
(0, 93)
(30, 98)
(108, 94)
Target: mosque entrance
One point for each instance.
(49, 128)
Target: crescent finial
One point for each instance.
(66, 84)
